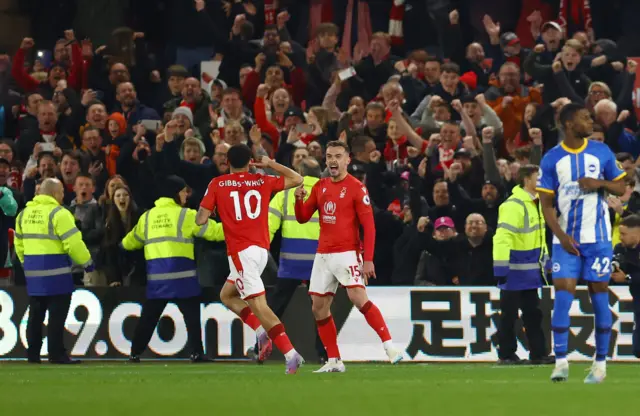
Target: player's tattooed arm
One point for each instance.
(203, 216)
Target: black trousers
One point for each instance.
(151, 311)
(529, 302)
(58, 307)
(278, 300)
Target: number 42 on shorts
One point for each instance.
(601, 265)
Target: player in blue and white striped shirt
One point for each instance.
(576, 175)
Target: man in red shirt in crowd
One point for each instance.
(242, 199)
(344, 206)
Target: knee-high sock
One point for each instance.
(376, 321)
(280, 338)
(329, 336)
(600, 303)
(560, 322)
(249, 318)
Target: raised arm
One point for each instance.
(305, 209)
(404, 127)
(19, 72)
(291, 177)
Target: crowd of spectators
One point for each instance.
(437, 125)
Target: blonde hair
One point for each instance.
(602, 85)
(576, 45)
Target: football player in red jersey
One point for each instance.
(344, 205)
(242, 199)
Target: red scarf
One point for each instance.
(192, 107)
(579, 14)
(269, 12)
(396, 17)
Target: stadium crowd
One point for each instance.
(440, 102)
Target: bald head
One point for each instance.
(52, 187)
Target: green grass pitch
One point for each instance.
(231, 389)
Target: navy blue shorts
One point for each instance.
(593, 264)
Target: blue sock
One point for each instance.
(560, 322)
(600, 303)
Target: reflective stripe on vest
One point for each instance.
(51, 235)
(297, 256)
(526, 228)
(290, 217)
(177, 239)
(170, 276)
(47, 273)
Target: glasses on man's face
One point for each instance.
(595, 92)
(5, 151)
(220, 154)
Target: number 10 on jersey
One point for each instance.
(252, 214)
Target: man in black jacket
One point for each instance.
(473, 258)
(47, 133)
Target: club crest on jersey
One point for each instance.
(329, 211)
(324, 190)
(343, 192)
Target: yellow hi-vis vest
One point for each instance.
(46, 242)
(519, 245)
(166, 232)
(299, 241)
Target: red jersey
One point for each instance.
(242, 200)
(344, 206)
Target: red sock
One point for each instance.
(329, 336)
(249, 318)
(376, 321)
(280, 338)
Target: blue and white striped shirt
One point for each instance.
(583, 215)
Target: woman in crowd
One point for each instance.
(122, 215)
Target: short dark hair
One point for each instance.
(523, 153)
(526, 171)
(9, 143)
(568, 112)
(338, 143)
(451, 67)
(73, 154)
(230, 91)
(632, 221)
(239, 156)
(327, 28)
(433, 59)
(358, 143)
(624, 156)
(42, 155)
(374, 105)
(88, 129)
(271, 27)
(85, 175)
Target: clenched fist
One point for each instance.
(487, 135)
(300, 193)
(536, 136)
(27, 43)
